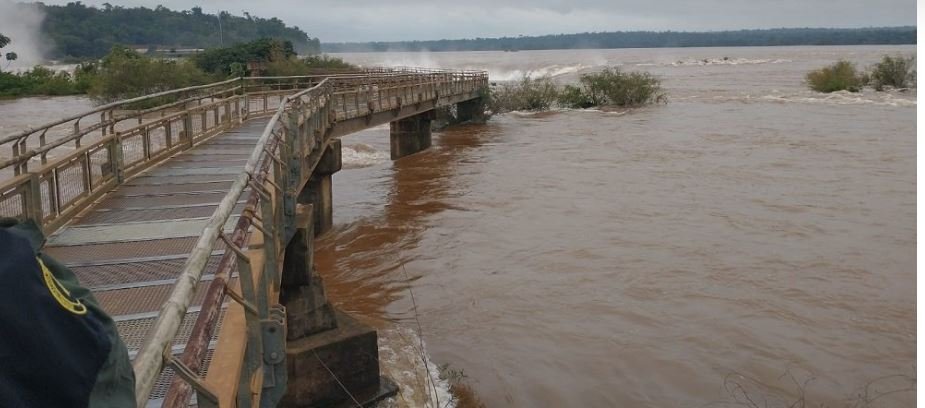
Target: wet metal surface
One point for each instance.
(133, 243)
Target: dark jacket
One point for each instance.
(58, 348)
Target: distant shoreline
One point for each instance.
(905, 35)
(625, 48)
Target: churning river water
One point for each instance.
(749, 241)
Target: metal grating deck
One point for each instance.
(132, 244)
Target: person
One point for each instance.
(58, 348)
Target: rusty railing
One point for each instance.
(285, 155)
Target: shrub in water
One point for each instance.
(612, 87)
(839, 76)
(528, 94)
(894, 72)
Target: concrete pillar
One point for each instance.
(331, 160)
(410, 135)
(319, 188)
(318, 193)
(302, 290)
(321, 341)
(472, 110)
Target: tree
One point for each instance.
(81, 31)
(10, 56)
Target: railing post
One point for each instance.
(88, 173)
(188, 128)
(284, 174)
(253, 353)
(34, 199)
(116, 158)
(168, 134)
(17, 169)
(146, 143)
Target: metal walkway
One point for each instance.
(131, 246)
(159, 210)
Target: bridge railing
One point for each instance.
(287, 152)
(56, 170)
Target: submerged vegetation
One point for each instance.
(461, 393)
(893, 72)
(43, 81)
(839, 76)
(608, 88)
(527, 94)
(890, 73)
(611, 87)
(126, 73)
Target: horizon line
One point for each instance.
(626, 31)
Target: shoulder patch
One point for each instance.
(60, 293)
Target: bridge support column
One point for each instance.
(319, 189)
(410, 135)
(320, 339)
(302, 291)
(472, 110)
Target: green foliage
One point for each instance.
(324, 61)
(305, 66)
(895, 72)
(650, 39)
(573, 96)
(220, 60)
(125, 74)
(612, 87)
(4, 41)
(839, 76)
(275, 57)
(39, 81)
(81, 31)
(527, 94)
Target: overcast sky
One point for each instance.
(379, 20)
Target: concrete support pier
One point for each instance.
(326, 351)
(472, 111)
(319, 188)
(410, 135)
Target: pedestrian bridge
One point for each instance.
(186, 213)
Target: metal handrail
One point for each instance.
(110, 106)
(65, 186)
(149, 361)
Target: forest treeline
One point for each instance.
(79, 31)
(649, 39)
(126, 73)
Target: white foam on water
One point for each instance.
(845, 98)
(362, 155)
(725, 61)
(550, 71)
(841, 98)
(418, 379)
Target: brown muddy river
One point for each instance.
(750, 239)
